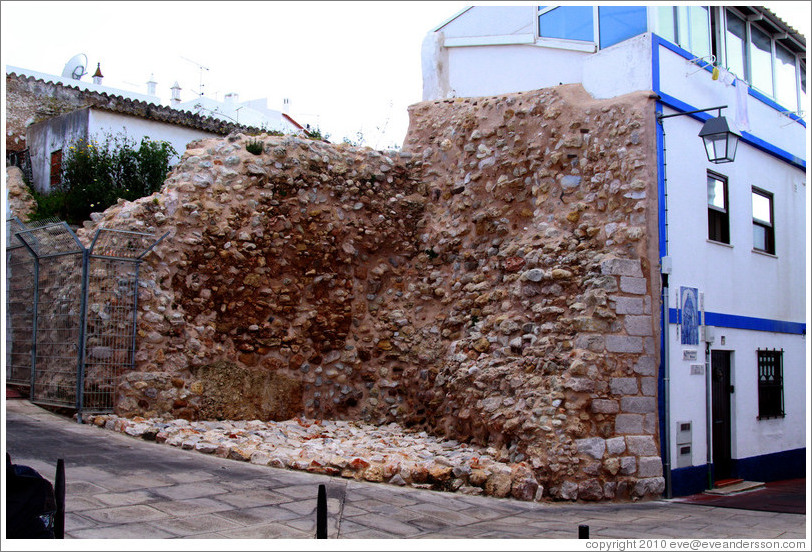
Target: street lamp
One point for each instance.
(721, 140)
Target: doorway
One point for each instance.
(721, 415)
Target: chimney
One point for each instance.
(97, 76)
(286, 106)
(231, 98)
(175, 100)
(151, 85)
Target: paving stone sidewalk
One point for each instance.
(124, 488)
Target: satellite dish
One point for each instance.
(75, 67)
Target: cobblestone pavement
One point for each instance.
(124, 488)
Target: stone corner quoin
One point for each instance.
(489, 284)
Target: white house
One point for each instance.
(732, 236)
(254, 113)
(68, 109)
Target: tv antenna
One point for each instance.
(75, 67)
(202, 68)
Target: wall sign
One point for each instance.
(689, 319)
(689, 354)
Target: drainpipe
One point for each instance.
(708, 405)
(666, 270)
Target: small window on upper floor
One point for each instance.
(567, 22)
(763, 228)
(718, 212)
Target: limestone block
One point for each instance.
(623, 386)
(638, 405)
(641, 445)
(638, 325)
(633, 285)
(621, 267)
(594, 343)
(590, 489)
(629, 305)
(616, 445)
(605, 406)
(628, 465)
(648, 386)
(650, 466)
(652, 486)
(628, 424)
(646, 366)
(624, 344)
(591, 446)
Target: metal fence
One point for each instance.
(77, 325)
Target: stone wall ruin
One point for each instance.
(492, 283)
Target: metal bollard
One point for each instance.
(321, 513)
(59, 495)
(583, 531)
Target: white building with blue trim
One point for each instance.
(732, 236)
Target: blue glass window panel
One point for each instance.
(569, 22)
(617, 23)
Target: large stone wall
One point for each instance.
(491, 284)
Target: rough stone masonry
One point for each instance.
(491, 283)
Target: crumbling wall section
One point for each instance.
(492, 283)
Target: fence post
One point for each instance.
(80, 362)
(583, 531)
(321, 513)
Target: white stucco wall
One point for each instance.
(630, 61)
(492, 21)
(103, 122)
(737, 280)
(687, 82)
(49, 136)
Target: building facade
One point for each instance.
(732, 236)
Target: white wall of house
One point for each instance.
(49, 136)
(477, 55)
(58, 133)
(107, 122)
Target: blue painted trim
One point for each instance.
(658, 40)
(689, 481)
(747, 138)
(734, 321)
(787, 464)
(778, 466)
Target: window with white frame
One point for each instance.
(718, 212)
(601, 25)
(763, 228)
(685, 26)
(753, 52)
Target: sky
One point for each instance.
(346, 67)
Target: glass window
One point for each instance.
(763, 231)
(569, 22)
(718, 221)
(617, 23)
(666, 22)
(700, 31)
(735, 46)
(761, 60)
(785, 84)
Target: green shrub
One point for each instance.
(96, 174)
(254, 146)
